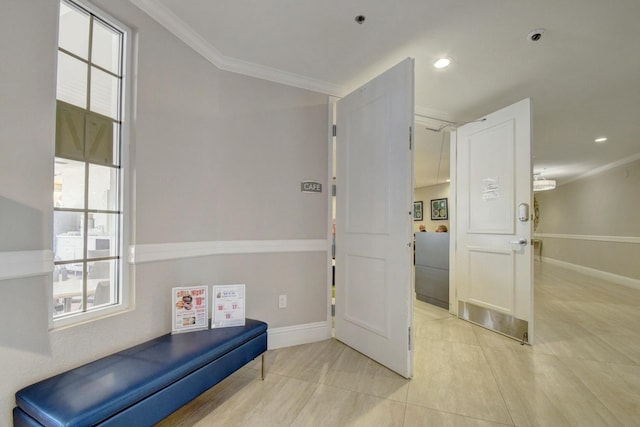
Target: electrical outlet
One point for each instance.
(282, 301)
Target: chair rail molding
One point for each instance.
(165, 251)
(17, 264)
(593, 238)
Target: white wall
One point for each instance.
(594, 222)
(215, 157)
(426, 194)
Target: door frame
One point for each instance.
(453, 221)
(331, 169)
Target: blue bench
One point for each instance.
(143, 384)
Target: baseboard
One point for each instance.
(610, 277)
(288, 336)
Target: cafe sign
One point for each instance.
(310, 187)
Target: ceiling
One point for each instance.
(583, 75)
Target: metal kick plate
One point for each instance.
(496, 321)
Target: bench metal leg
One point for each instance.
(262, 368)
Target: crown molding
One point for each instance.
(169, 20)
(601, 169)
(165, 17)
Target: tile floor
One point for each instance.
(584, 370)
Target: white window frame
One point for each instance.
(125, 291)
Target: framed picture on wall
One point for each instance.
(439, 209)
(417, 211)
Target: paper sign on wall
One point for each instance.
(189, 309)
(228, 306)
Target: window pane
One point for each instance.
(103, 187)
(70, 131)
(68, 244)
(102, 294)
(100, 289)
(116, 144)
(100, 270)
(100, 139)
(72, 80)
(103, 235)
(67, 292)
(73, 34)
(68, 190)
(104, 93)
(106, 47)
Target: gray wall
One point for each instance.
(215, 156)
(594, 222)
(426, 194)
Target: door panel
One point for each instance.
(490, 180)
(374, 178)
(367, 210)
(367, 288)
(493, 267)
(493, 258)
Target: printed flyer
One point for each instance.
(189, 308)
(228, 306)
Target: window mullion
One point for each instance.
(87, 124)
(79, 58)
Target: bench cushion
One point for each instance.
(91, 393)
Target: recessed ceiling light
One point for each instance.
(442, 63)
(601, 139)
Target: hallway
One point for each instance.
(584, 370)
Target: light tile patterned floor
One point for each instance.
(584, 370)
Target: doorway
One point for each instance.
(374, 278)
(432, 194)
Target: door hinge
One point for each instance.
(335, 130)
(409, 337)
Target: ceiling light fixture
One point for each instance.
(540, 183)
(442, 63)
(601, 139)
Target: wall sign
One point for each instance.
(310, 187)
(189, 309)
(228, 306)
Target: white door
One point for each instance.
(374, 178)
(493, 256)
